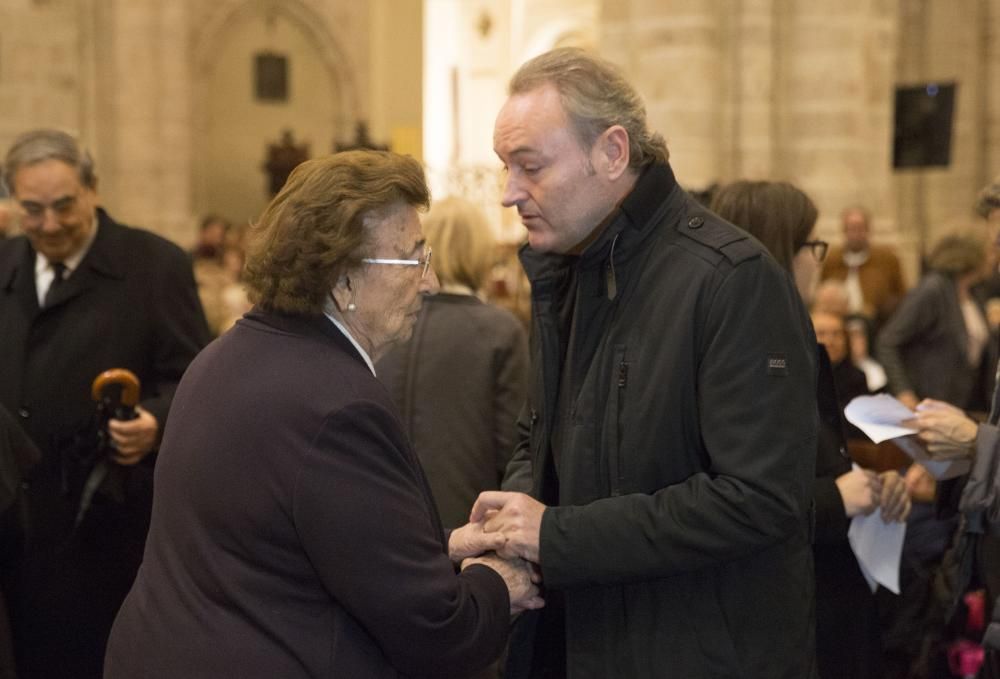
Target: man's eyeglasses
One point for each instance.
(424, 262)
(34, 212)
(817, 247)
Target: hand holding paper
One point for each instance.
(882, 417)
(949, 434)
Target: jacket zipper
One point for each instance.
(617, 474)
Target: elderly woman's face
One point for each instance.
(388, 296)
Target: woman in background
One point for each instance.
(461, 379)
(847, 633)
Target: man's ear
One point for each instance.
(613, 146)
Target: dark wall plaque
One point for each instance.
(923, 125)
(271, 76)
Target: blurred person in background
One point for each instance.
(937, 345)
(831, 297)
(461, 378)
(859, 338)
(7, 216)
(871, 273)
(80, 294)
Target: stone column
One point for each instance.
(835, 124)
(148, 167)
(672, 51)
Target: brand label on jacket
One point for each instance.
(777, 364)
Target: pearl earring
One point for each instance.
(351, 306)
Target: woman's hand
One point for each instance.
(471, 540)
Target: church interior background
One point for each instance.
(185, 103)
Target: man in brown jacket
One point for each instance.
(871, 273)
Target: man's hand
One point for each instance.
(948, 432)
(519, 577)
(517, 516)
(895, 499)
(133, 439)
(860, 490)
(471, 540)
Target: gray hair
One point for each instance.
(37, 146)
(595, 95)
(988, 199)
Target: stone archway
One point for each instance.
(231, 129)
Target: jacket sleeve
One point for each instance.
(982, 487)
(179, 330)
(511, 371)
(913, 318)
(367, 528)
(518, 477)
(757, 414)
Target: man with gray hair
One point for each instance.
(81, 294)
(666, 453)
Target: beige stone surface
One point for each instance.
(783, 89)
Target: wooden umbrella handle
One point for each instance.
(126, 378)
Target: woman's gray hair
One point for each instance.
(37, 146)
(988, 199)
(595, 96)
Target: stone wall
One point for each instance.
(130, 77)
(803, 90)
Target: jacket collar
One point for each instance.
(629, 225)
(316, 326)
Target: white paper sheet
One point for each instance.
(879, 417)
(878, 547)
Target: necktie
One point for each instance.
(60, 275)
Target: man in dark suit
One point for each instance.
(81, 294)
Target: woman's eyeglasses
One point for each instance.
(817, 247)
(425, 261)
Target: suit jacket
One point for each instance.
(881, 279)
(293, 532)
(459, 383)
(131, 303)
(923, 348)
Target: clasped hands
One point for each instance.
(502, 533)
(863, 491)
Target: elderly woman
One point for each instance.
(293, 532)
(462, 378)
(847, 638)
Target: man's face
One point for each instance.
(551, 180)
(855, 231)
(830, 333)
(389, 296)
(56, 210)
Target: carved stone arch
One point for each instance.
(343, 101)
(312, 23)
